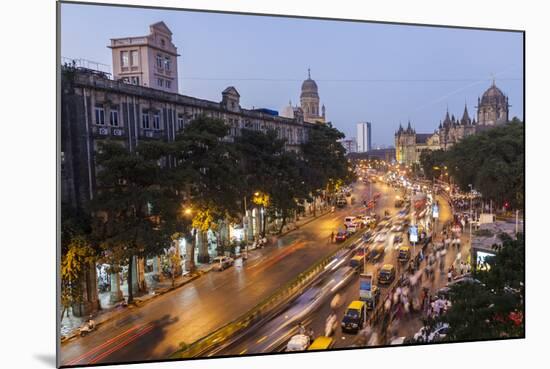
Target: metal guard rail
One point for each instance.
(246, 320)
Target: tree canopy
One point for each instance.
(493, 308)
(493, 161)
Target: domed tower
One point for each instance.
(492, 107)
(309, 100)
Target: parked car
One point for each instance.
(220, 263)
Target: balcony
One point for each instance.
(105, 131)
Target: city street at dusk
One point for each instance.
(216, 202)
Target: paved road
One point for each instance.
(155, 330)
(276, 333)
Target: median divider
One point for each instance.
(259, 312)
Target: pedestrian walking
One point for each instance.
(450, 275)
(332, 237)
(461, 267)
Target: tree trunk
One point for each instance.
(283, 223)
(203, 256)
(130, 280)
(314, 206)
(264, 220)
(191, 267)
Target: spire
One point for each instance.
(308, 73)
(466, 117)
(409, 128)
(447, 119)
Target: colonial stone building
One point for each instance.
(147, 60)
(95, 107)
(309, 103)
(492, 110)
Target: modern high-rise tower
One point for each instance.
(364, 133)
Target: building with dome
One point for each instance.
(309, 103)
(492, 107)
(492, 110)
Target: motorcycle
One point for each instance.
(87, 327)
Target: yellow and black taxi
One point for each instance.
(357, 262)
(354, 317)
(404, 254)
(386, 274)
(321, 343)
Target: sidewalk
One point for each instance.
(70, 325)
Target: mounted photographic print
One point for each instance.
(240, 184)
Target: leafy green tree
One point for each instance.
(77, 257)
(126, 221)
(432, 163)
(493, 308)
(206, 175)
(288, 189)
(493, 162)
(325, 164)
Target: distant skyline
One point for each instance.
(384, 74)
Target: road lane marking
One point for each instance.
(243, 352)
(261, 339)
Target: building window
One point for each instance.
(180, 122)
(162, 43)
(114, 118)
(167, 63)
(134, 58)
(156, 121)
(145, 120)
(124, 61)
(135, 80)
(126, 80)
(159, 61)
(160, 82)
(168, 84)
(99, 116)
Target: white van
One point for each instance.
(349, 221)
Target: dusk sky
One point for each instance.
(384, 74)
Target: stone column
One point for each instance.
(141, 274)
(203, 256)
(249, 227)
(157, 270)
(90, 300)
(116, 292)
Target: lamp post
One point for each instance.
(245, 229)
(190, 264)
